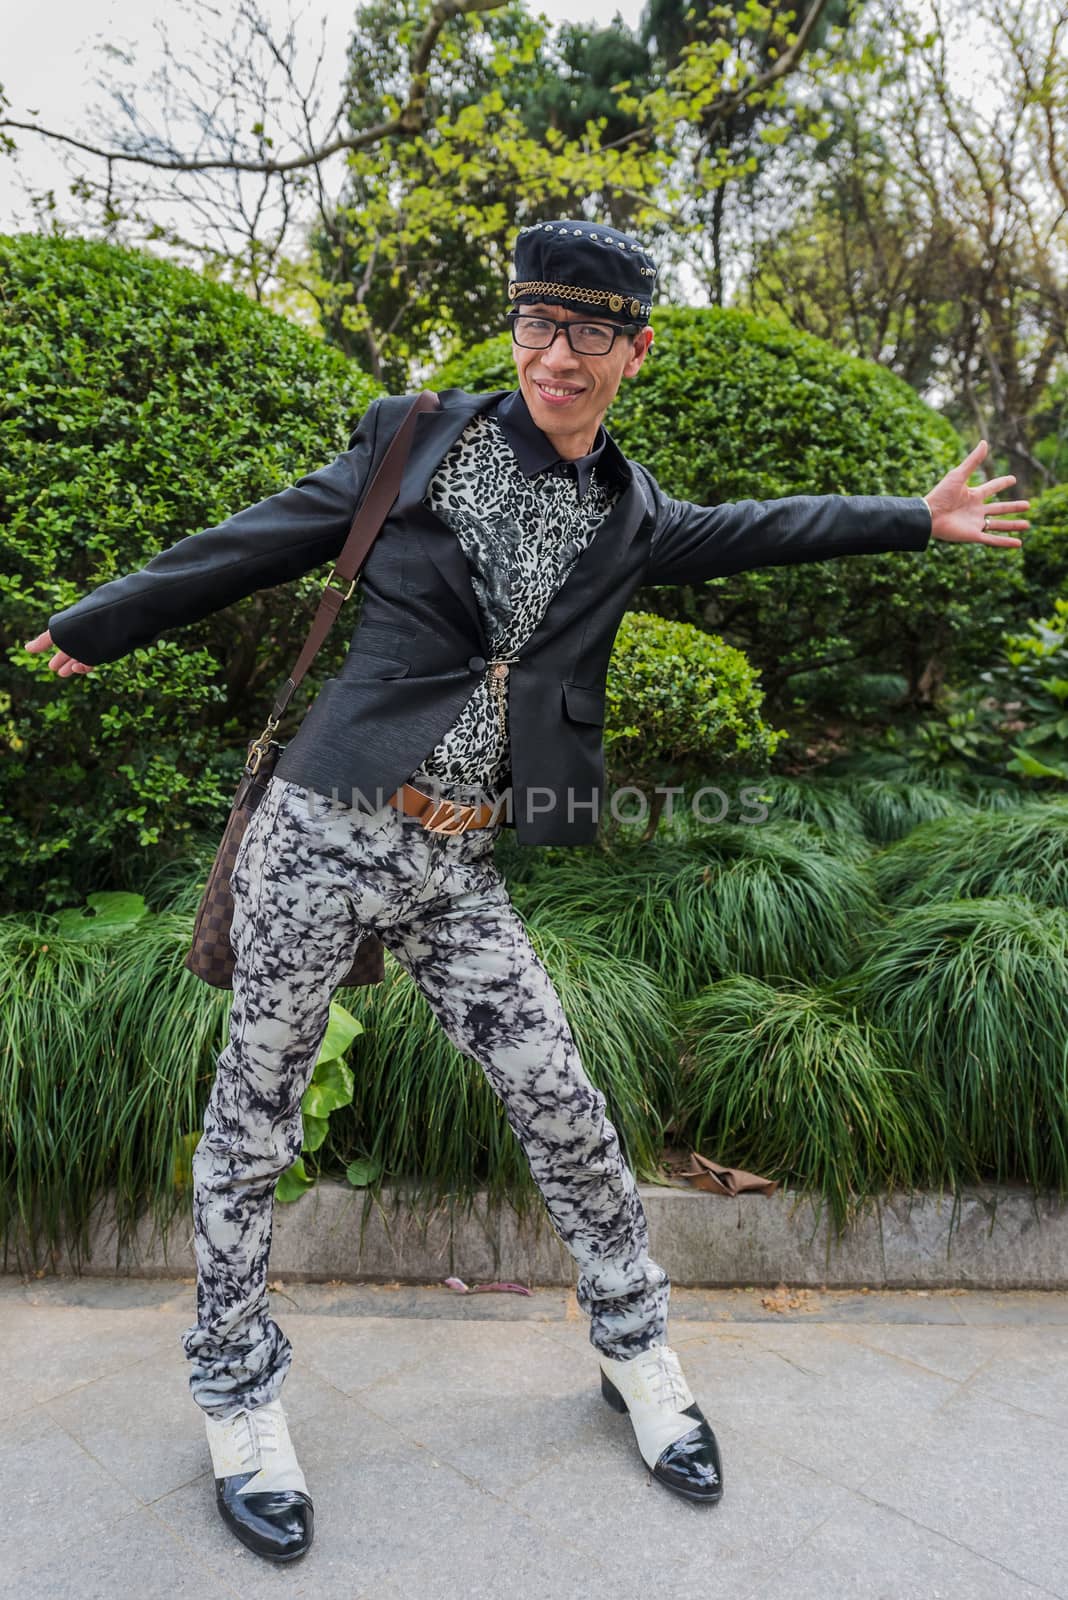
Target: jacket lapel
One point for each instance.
(435, 434)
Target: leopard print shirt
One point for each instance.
(521, 537)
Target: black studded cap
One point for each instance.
(585, 267)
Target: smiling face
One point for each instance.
(567, 394)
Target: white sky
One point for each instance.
(51, 57)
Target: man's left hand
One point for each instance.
(962, 515)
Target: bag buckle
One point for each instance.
(258, 748)
(337, 587)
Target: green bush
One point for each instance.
(140, 403)
(1037, 672)
(1009, 722)
(1045, 548)
(680, 705)
(731, 406)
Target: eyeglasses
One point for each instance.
(585, 338)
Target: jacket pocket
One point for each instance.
(584, 703)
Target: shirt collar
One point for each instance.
(535, 452)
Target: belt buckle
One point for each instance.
(462, 814)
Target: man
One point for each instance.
(491, 601)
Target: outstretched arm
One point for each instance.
(280, 538)
(692, 542)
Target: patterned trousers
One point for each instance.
(311, 876)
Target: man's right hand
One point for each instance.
(61, 662)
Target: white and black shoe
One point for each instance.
(674, 1439)
(259, 1486)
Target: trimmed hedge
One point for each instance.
(140, 403)
(681, 704)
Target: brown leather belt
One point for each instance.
(443, 816)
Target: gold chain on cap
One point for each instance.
(594, 297)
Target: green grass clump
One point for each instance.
(975, 993)
(1021, 853)
(771, 900)
(794, 1084)
(107, 1045)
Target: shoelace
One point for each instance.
(661, 1367)
(259, 1435)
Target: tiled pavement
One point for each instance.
(885, 1446)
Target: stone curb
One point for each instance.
(984, 1238)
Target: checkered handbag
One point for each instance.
(211, 955)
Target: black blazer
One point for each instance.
(420, 642)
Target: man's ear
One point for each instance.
(639, 350)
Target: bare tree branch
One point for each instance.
(409, 120)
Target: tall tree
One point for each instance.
(731, 136)
(461, 119)
(413, 260)
(935, 237)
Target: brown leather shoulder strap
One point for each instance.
(366, 525)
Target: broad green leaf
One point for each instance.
(293, 1182)
(1034, 769)
(331, 1086)
(363, 1171)
(315, 1129)
(342, 1028)
(104, 914)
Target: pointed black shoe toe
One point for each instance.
(692, 1465)
(276, 1523)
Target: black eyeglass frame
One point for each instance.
(618, 328)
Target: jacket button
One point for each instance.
(476, 663)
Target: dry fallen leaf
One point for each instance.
(716, 1179)
(782, 1299)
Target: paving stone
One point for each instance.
(602, 1497)
(135, 1556)
(47, 1350)
(914, 1448)
(1022, 1307)
(882, 1555)
(485, 1360)
(989, 1476)
(957, 1351)
(148, 1428)
(813, 1394)
(391, 1518)
(57, 1497)
(117, 1293)
(1029, 1370)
